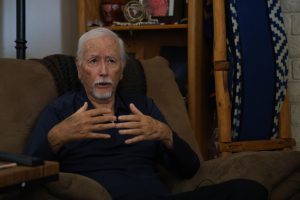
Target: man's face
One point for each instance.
(101, 68)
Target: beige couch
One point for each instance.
(26, 86)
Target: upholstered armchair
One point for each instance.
(26, 86)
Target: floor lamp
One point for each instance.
(21, 40)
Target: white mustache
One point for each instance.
(103, 81)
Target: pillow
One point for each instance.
(63, 70)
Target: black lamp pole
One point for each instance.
(21, 40)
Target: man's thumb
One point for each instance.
(134, 109)
(82, 108)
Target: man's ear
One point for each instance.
(122, 72)
(78, 66)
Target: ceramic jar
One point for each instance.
(112, 10)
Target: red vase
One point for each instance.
(112, 10)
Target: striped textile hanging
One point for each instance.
(279, 42)
(235, 57)
(279, 39)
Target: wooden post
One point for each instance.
(223, 106)
(221, 73)
(220, 53)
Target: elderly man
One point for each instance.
(113, 137)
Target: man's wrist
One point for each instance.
(54, 140)
(168, 141)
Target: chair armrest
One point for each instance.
(74, 186)
(267, 168)
(68, 186)
(289, 188)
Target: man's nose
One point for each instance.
(103, 70)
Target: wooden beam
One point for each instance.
(285, 119)
(197, 77)
(223, 106)
(257, 145)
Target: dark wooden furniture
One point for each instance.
(24, 176)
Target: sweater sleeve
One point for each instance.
(38, 144)
(181, 159)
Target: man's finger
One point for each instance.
(102, 119)
(99, 112)
(100, 127)
(82, 108)
(135, 139)
(128, 125)
(132, 118)
(134, 109)
(135, 131)
(99, 136)
(92, 135)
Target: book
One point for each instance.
(7, 164)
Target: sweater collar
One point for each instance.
(120, 101)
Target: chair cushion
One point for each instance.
(164, 91)
(26, 87)
(75, 186)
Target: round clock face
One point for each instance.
(134, 12)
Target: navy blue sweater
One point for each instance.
(122, 169)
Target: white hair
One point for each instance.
(100, 32)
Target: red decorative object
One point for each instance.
(158, 8)
(112, 10)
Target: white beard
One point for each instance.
(102, 96)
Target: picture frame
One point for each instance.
(166, 11)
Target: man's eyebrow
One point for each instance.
(93, 56)
(111, 56)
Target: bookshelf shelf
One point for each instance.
(145, 27)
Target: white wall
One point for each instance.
(51, 27)
(291, 14)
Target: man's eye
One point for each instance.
(111, 60)
(93, 61)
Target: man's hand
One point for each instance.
(82, 124)
(144, 127)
